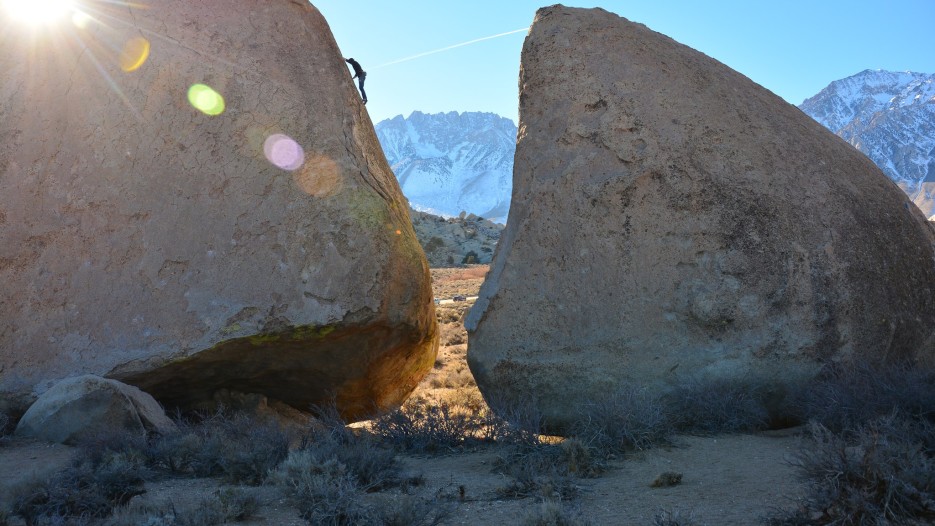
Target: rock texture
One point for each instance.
(671, 219)
(194, 199)
(86, 406)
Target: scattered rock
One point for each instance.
(87, 406)
(667, 480)
(205, 210)
(672, 219)
(455, 241)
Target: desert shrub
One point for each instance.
(849, 395)
(411, 511)
(718, 406)
(528, 482)
(101, 448)
(628, 419)
(112, 466)
(881, 472)
(552, 513)
(421, 427)
(547, 471)
(238, 448)
(223, 507)
(666, 479)
(514, 421)
(434, 243)
(459, 378)
(84, 491)
(446, 315)
(5, 428)
(373, 467)
(579, 459)
(235, 446)
(324, 492)
(470, 258)
(468, 399)
(328, 493)
(177, 452)
(453, 334)
(143, 515)
(673, 518)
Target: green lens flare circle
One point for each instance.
(205, 99)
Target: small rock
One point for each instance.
(667, 480)
(85, 406)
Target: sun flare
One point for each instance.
(37, 11)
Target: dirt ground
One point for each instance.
(726, 480)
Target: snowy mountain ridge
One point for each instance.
(890, 117)
(451, 162)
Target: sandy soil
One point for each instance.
(726, 480)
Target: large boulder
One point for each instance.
(87, 406)
(673, 220)
(194, 199)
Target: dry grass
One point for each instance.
(451, 382)
(449, 282)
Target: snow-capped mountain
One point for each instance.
(447, 163)
(890, 117)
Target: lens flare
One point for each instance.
(319, 176)
(134, 54)
(283, 152)
(37, 12)
(205, 99)
(80, 19)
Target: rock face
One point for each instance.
(194, 199)
(88, 405)
(671, 219)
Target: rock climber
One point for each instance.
(360, 75)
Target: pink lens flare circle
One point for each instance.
(283, 151)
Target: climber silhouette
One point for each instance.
(360, 75)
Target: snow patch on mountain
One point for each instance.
(890, 117)
(447, 163)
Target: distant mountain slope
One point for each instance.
(447, 163)
(890, 116)
(456, 240)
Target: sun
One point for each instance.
(37, 12)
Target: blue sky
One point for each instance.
(792, 47)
